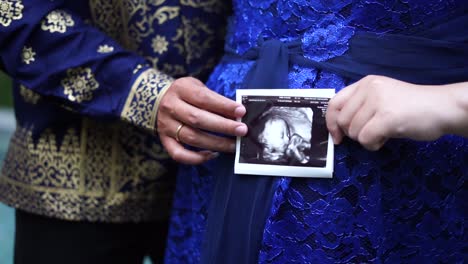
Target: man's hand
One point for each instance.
(200, 111)
(377, 108)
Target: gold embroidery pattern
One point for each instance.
(143, 19)
(138, 68)
(113, 17)
(79, 84)
(133, 22)
(28, 95)
(104, 172)
(95, 177)
(143, 101)
(10, 10)
(207, 5)
(134, 154)
(49, 159)
(176, 39)
(105, 49)
(198, 38)
(159, 44)
(174, 69)
(57, 21)
(166, 13)
(28, 55)
(154, 62)
(107, 17)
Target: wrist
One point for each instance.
(458, 117)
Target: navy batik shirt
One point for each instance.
(88, 77)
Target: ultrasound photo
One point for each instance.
(287, 134)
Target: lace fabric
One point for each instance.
(404, 203)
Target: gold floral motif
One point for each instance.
(143, 100)
(28, 55)
(105, 49)
(57, 21)
(159, 44)
(10, 10)
(79, 84)
(103, 172)
(28, 95)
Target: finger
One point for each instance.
(183, 155)
(198, 118)
(363, 115)
(373, 134)
(331, 118)
(340, 99)
(196, 138)
(199, 139)
(204, 98)
(349, 110)
(333, 110)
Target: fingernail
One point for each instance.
(241, 130)
(240, 111)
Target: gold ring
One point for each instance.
(178, 132)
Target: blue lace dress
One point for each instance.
(405, 203)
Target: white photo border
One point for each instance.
(282, 170)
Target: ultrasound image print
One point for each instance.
(285, 131)
(285, 134)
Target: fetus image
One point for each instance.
(285, 134)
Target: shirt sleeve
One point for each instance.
(56, 54)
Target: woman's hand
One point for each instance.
(187, 110)
(377, 108)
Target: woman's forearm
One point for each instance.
(377, 108)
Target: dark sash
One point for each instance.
(241, 203)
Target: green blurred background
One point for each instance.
(5, 91)
(7, 214)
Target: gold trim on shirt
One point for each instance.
(143, 100)
(100, 172)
